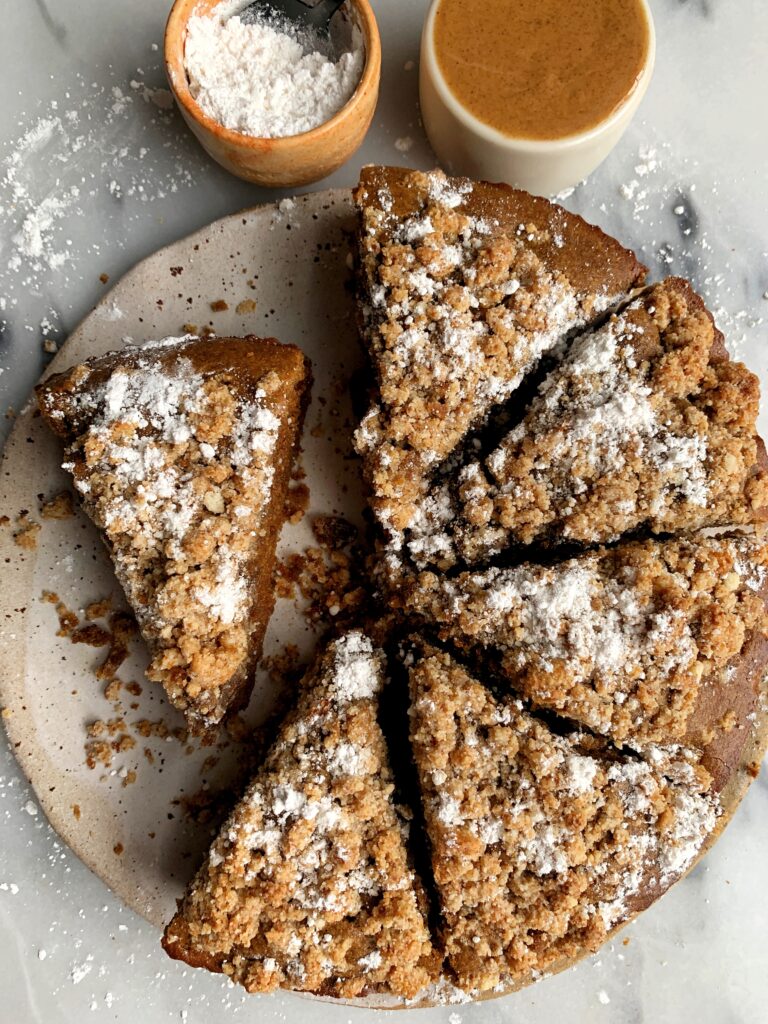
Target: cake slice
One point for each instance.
(308, 885)
(624, 640)
(463, 286)
(646, 423)
(541, 843)
(181, 452)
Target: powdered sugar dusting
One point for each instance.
(176, 465)
(76, 151)
(525, 826)
(626, 432)
(318, 846)
(603, 399)
(160, 410)
(357, 673)
(618, 640)
(262, 79)
(458, 308)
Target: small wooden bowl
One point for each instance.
(283, 162)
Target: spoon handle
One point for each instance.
(320, 15)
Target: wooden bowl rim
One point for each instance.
(173, 47)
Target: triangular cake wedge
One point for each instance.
(646, 423)
(626, 641)
(463, 287)
(541, 843)
(181, 452)
(308, 885)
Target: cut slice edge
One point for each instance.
(626, 641)
(463, 287)
(646, 423)
(542, 843)
(308, 885)
(181, 452)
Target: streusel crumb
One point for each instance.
(621, 640)
(463, 287)
(645, 423)
(308, 884)
(538, 845)
(181, 453)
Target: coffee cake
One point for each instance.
(541, 843)
(621, 640)
(463, 286)
(181, 452)
(646, 423)
(308, 885)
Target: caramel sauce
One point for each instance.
(541, 69)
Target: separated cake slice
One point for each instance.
(541, 843)
(181, 452)
(463, 286)
(625, 641)
(308, 885)
(646, 423)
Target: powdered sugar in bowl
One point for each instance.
(268, 106)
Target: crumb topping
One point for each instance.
(638, 426)
(537, 847)
(620, 640)
(456, 309)
(308, 884)
(176, 466)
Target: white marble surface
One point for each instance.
(694, 161)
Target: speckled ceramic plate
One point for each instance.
(293, 263)
(279, 270)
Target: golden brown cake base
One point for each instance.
(646, 423)
(538, 840)
(182, 452)
(463, 287)
(309, 885)
(620, 641)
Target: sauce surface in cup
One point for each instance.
(541, 69)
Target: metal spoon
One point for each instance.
(301, 13)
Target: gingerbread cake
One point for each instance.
(645, 424)
(463, 287)
(181, 452)
(541, 842)
(555, 692)
(309, 885)
(620, 640)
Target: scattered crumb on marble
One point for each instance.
(93, 635)
(68, 620)
(60, 506)
(26, 535)
(98, 609)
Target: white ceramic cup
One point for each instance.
(465, 145)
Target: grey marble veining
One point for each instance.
(687, 188)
